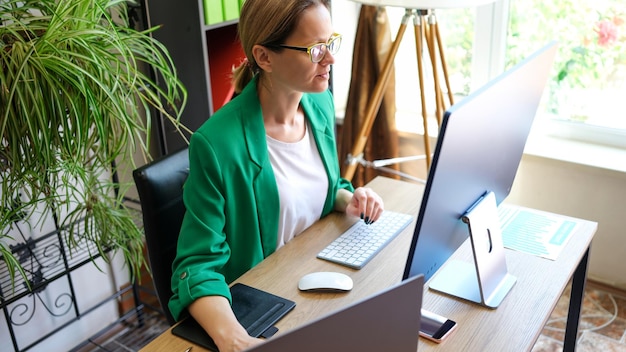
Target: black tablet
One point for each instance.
(256, 310)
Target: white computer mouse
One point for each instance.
(325, 281)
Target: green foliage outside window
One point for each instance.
(590, 67)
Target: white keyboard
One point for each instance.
(361, 242)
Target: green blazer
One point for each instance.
(231, 196)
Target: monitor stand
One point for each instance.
(487, 281)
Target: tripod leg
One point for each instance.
(377, 96)
(444, 66)
(419, 37)
(430, 41)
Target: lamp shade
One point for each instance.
(425, 4)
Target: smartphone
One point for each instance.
(434, 327)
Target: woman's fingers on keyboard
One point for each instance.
(369, 204)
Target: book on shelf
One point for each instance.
(213, 11)
(231, 9)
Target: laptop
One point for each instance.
(389, 320)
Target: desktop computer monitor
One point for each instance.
(479, 148)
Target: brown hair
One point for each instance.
(266, 22)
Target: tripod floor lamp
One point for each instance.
(422, 12)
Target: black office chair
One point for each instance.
(160, 188)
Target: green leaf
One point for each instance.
(75, 99)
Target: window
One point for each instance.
(583, 98)
(585, 93)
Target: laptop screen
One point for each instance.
(389, 320)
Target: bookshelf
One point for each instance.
(204, 47)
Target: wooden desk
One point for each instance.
(514, 326)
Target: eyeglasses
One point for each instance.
(318, 51)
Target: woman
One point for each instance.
(264, 167)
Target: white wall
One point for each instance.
(583, 191)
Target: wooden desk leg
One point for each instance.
(575, 303)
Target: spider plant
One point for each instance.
(75, 101)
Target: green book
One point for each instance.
(213, 12)
(231, 9)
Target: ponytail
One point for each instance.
(242, 75)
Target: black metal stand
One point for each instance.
(49, 261)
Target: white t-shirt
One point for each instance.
(302, 184)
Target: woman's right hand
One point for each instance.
(238, 343)
(216, 316)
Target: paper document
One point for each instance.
(535, 232)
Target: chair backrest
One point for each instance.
(160, 188)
